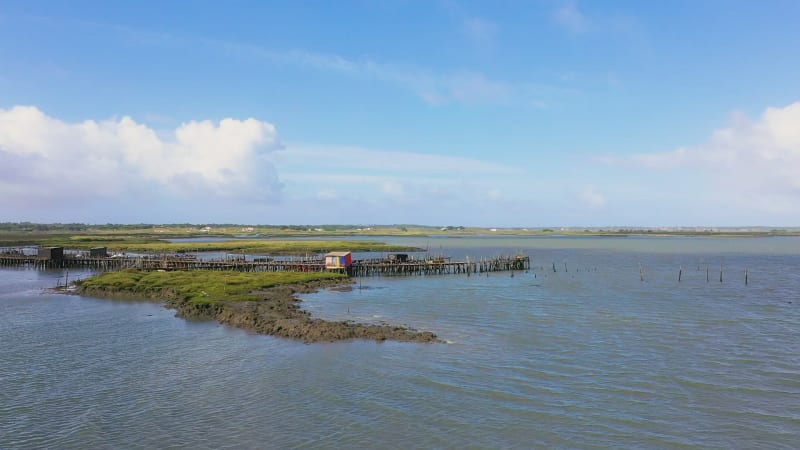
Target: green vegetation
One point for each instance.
(198, 286)
(150, 238)
(264, 247)
(257, 247)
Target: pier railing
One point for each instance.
(359, 267)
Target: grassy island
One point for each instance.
(261, 302)
(203, 286)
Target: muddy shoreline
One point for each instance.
(277, 312)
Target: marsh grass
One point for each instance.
(263, 247)
(138, 244)
(199, 286)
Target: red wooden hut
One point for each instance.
(338, 260)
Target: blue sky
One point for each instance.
(513, 113)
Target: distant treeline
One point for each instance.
(30, 226)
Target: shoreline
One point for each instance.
(276, 311)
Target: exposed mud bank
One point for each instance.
(277, 312)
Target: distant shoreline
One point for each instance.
(278, 239)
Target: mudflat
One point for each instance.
(272, 308)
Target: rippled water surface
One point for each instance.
(587, 356)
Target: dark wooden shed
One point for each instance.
(98, 252)
(398, 257)
(51, 253)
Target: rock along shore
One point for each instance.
(277, 312)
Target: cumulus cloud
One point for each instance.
(753, 162)
(44, 159)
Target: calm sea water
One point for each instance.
(585, 357)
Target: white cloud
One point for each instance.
(592, 198)
(576, 21)
(494, 195)
(353, 159)
(328, 194)
(410, 182)
(571, 18)
(44, 159)
(435, 87)
(393, 188)
(481, 31)
(752, 164)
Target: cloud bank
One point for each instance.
(46, 161)
(753, 164)
(366, 185)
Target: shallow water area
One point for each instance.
(584, 356)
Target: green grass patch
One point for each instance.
(262, 247)
(199, 286)
(152, 243)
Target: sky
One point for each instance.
(496, 114)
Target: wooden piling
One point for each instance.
(360, 268)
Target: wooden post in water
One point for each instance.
(565, 267)
(720, 273)
(745, 276)
(680, 272)
(641, 273)
(554, 266)
(706, 273)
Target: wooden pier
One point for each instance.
(35, 262)
(358, 268)
(365, 268)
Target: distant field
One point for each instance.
(265, 247)
(149, 238)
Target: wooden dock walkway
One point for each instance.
(365, 268)
(359, 268)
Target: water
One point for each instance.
(591, 357)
